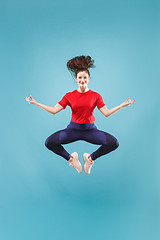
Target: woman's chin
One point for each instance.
(82, 87)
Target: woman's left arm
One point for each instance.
(107, 112)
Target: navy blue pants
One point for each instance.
(86, 132)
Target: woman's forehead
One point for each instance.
(82, 73)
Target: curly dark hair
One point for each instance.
(80, 63)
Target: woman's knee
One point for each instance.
(48, 143)
(115, 143)
(52, 140)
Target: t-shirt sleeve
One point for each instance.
(100, 102)
(64, 101)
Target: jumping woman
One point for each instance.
(81, 127)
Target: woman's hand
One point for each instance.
(32, 101)
(126, 103)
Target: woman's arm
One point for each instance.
(57, 108)
(107, 112)
(113, 110)
(46, 108)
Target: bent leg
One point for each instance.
(54, 141)
(108, 142)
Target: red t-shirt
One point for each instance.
(82, 105)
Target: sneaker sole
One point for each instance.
(85, 158)
(75, 154)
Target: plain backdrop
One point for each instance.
(41, 197)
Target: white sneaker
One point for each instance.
(87, 163)
(75, 162)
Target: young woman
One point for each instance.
(81, 127)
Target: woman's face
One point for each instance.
(82, 79)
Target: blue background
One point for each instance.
(41, 196)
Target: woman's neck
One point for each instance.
(83, 90)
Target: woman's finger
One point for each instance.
(27, 99)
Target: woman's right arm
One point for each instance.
(57, 108)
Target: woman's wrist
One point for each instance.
(121, 106)
(37, 104)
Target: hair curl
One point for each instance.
(80, 63)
